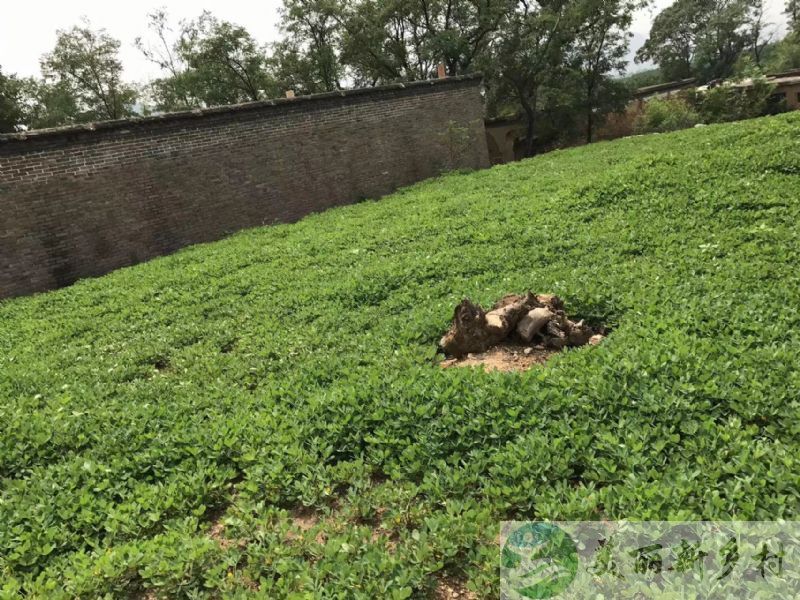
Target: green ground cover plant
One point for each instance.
(264, 416)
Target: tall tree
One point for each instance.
(51, 104)
(382, 41)
(385, 40)
(309, 56)
(601, 48)
(757, 35)
(792, 11)
(531, 54)
(206, 62)
(456, 32)
(723, 38)
(227, 64)
(11, 109)
(703, 38)
(85, 64)
(785, 55)
(672, 43)
(177, 89)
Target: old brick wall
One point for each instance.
(82, 201)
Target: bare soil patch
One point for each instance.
(504, 358)
(217, 533)
(304, 519)
(449, 588)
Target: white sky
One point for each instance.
(28, 28)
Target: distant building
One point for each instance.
(662, 90)
(787, 87)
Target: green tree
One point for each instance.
(84, 65)
(178, 89)
(206, 62)
(757, 36)
(785, 55)
(309, 56)
(601, 48)
(792, 11)
(726, 34)
(50, 104)
(704, 38)
(386, 40)
(456, 33)
(529, 57)
(11, 108)
(377, 45)
(672, 43)
(227, 65)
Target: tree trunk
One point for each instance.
(530, 113)
(589, 111)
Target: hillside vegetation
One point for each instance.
(266, 415)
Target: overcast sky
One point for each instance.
(28, 28)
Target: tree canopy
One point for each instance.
(554, 62)
(793, 13)
(205, 62)
(705, 38)
(84, 65)
(11, 110)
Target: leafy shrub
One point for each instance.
(666, 114)
(733, 102)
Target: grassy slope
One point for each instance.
(292, 366)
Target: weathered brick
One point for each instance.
(76, 203)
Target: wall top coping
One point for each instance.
(232, 109)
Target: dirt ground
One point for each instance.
(505, 358)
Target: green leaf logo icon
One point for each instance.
(538, 560)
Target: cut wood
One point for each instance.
(501, 321)
(469, 332)
(596, 340)
(533, 322)
(538, 320)
(579, 333)
(551, 301)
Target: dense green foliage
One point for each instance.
(10, 103)
(706, 38)
(720, 104)
(205, 62)
(292, 368)
(784, 55)
(85, 65)
(728, 103)
(793, 13)
(666, 114)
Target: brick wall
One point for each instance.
(82, 201)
